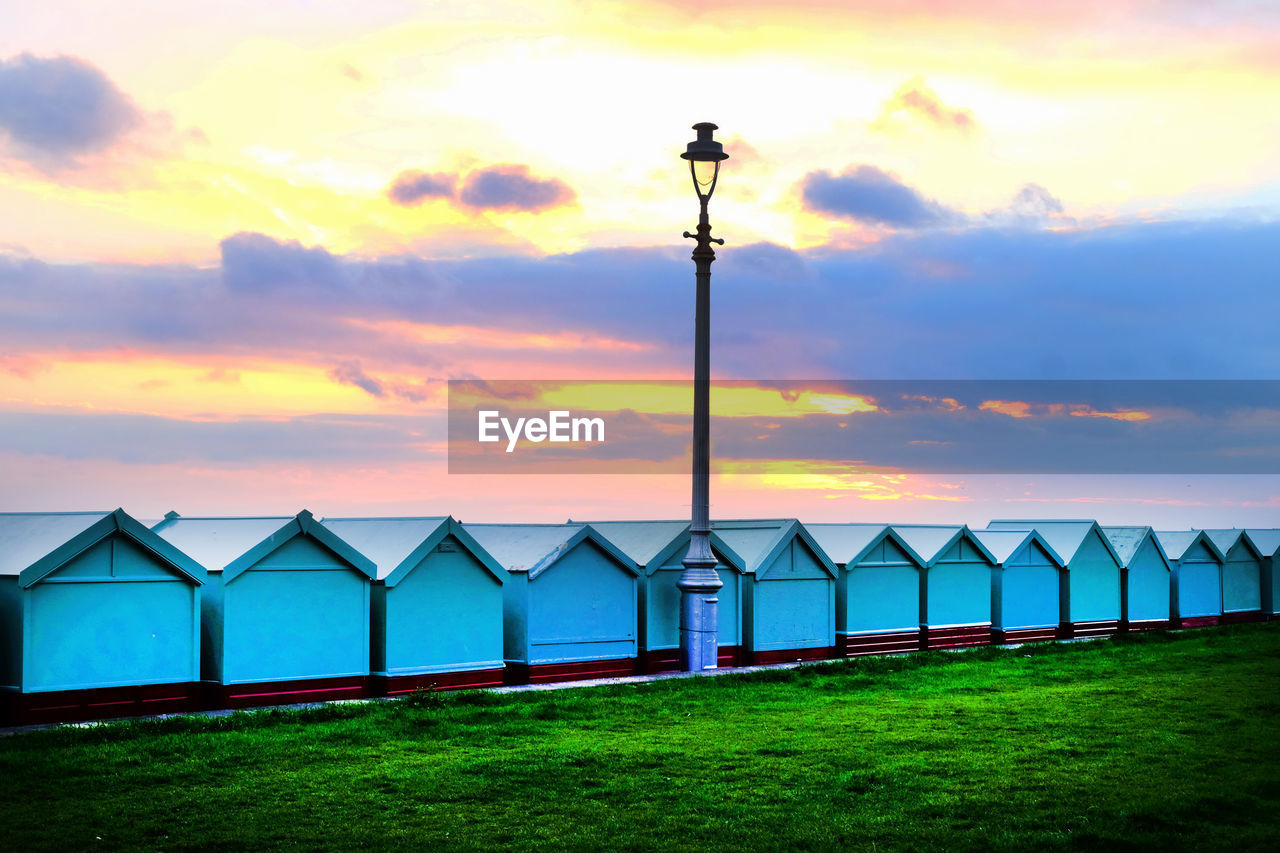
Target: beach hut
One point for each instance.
(99, 617)
(1146, 578)
(1196, 591)
(1241, 575)
(658, 549)
(1268, 542)
(1026, 588)
(285, 614)
(788, 590)
(955, 586)
(1092, 597)
(569, 604)
(435, 606)
(877, 590)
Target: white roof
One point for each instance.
(1225, 539)
(216, 542)
(25, 537)
(1002, 543)
(1063, 535)
(844, 542)
(1126, 541)
(1176, 542)
(520, 547)
(386, 541)
(640, 540)
(927, 540)
(1268, 541)
(750, 540)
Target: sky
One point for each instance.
(244, 247)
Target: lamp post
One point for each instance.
(699, 646)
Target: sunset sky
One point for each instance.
(244, 245)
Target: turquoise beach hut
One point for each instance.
(99, 617)
(878, 588)
(788, 590)
(1241, 576)
(955, 588)
(1268, 542)
(1196, 591)
(569, 603)
(435, 606)
(1092, 598)
(658, 547)
(1146, 576)
(285, 614)
(1026, 587)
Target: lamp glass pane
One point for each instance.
(704, 173)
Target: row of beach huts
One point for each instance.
(104, 615)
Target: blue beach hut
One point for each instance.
(1026, 587)
(99, 617)
(1146, 577)
(569, 604)
(1092, 597)
(285, 614)
(1241, 575)
(955, 586)
(878, 588)
(435, 606)
(658, 548)
(1268, 542)
(788, 590)
(1196, 591)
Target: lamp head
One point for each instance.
(704, 155)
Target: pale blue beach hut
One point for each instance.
(1026, 588)
(788, 590)
(1241, 575)
(658, 548)
(1146, 578)
(1092, 597)
(285, 614)
(955, 586)
(878, 588)
(1268, 542)
(99, 617)
(435, 606)
(1196, 591)
(569, 602)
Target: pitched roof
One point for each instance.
(34, 544)
(398, 545)
(534, 548)
(848, 544)
(1227, 539)
(1267, 540)
(1005, 544)
(1176, 543)
(1065, 535)
(759, 541)
(652, 543)
(642, 541)
(1127, 541)
(231, 544)
(932, 541)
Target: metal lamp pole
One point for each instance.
(699, 646)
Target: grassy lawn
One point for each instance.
(1163, 742)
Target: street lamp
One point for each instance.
(699, 647)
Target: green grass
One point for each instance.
(1163, 742)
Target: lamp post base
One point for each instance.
(699, 635)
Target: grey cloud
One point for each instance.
(872, 196)
(511, 187)
(55, 110)
(412, 187)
